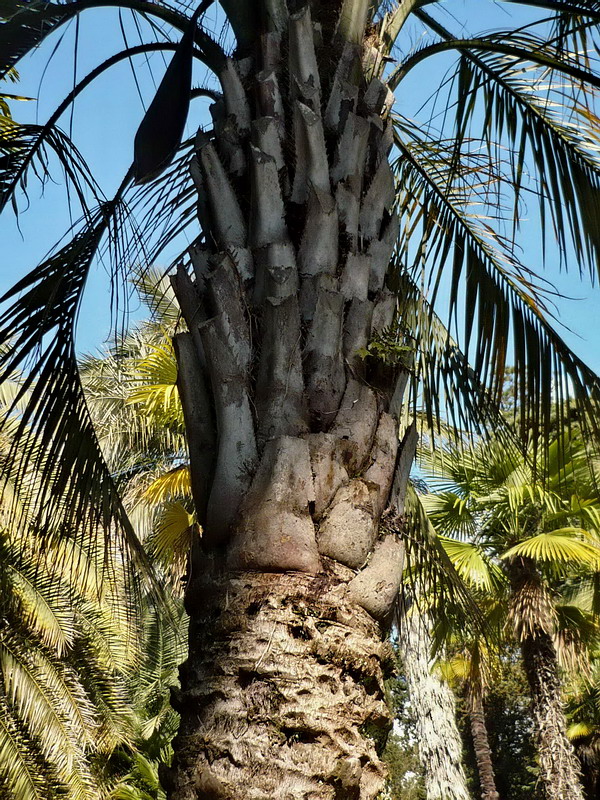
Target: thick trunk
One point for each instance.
(559, 767)
(481, 746)
(294, 438)
(440, 746)
(284, 692)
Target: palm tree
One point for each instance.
(67, 646)
(529, 517)
(306, 184)
(467, 668)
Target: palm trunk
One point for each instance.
(481, 745)
(440, 746)
(559, 767)
(294, 441)
(533, 615)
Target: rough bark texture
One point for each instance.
(560, 777)
(481, 746)
(533, 616)
(282, 693)
(440, 746)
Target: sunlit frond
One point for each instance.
(561, 545)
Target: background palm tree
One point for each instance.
(528, 517)
(305, 185)
(434, 707)
(67, 647)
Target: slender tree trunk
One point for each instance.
(440, 746)
(481, 745)
(560, 773)
(294, 443)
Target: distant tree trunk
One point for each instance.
(294, 439)
(440, 746)
(533, 615)
(481, 744)
(560, 772)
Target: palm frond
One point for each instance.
(156, 394)
(473, 566)
(561, 545)
(19, 769)
(551, 132)
(175, 483)
(55, 437)
(502, 306)
(589, 9)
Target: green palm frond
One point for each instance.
(156, 394)
(562, 545)
(19, 767)
(580, 730)
(511, 311)
(551, 133)
(175, 483)
(450, 512)
(78, 489)
(54, 709)
(473, 566)
(431, 574)
(26, 147)
(172, 536)
(47, 613)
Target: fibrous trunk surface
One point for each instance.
(533, 614)
(287, 693)
(432, 701)
(560, 777)
(481, 745)
(295, 448)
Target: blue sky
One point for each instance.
(104, 122)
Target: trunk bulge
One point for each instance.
(481, 745)
(294, 439)
(284, 692)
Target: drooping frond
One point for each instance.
(549, 129)
(504, 312)
(55, 437)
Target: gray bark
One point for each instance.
(440, 746)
